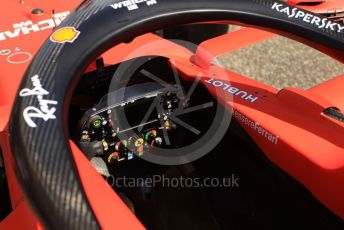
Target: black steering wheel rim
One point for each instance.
(45, 166)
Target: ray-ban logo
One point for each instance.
(46, 109)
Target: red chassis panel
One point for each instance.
(319, 6)
(292, 119)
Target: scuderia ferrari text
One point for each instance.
(256, 127)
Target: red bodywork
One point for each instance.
(332, 8)
(310, 145)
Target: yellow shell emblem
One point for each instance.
(65, 34)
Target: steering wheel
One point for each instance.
(51, 177)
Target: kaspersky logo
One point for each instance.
(308, 17)
(64, 35)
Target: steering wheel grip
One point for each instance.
(38, 126)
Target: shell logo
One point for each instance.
(65, 34)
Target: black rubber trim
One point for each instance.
(43, 157)
(335, 114)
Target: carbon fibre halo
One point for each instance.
(39, 138)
